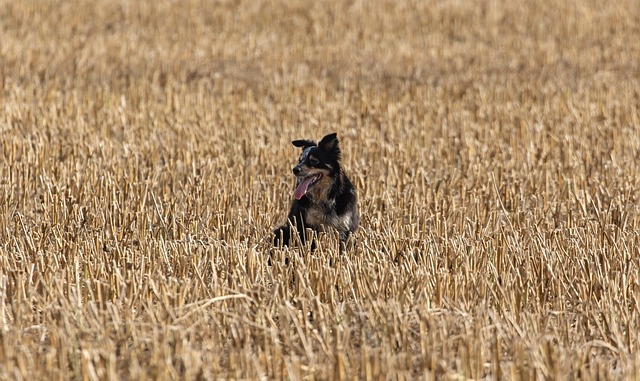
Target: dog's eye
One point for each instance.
(313, 161)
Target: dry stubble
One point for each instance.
(145, 158)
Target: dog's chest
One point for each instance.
(324, 215)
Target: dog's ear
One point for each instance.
(304, 143)
(330, 144)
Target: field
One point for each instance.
(145, 158)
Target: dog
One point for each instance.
(324, 197)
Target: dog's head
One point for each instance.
(319, 163)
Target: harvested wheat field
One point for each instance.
(146, 158)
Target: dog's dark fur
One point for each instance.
(330, 201)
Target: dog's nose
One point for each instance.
(296, 170)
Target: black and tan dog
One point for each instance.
(324, 197)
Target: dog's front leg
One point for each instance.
(282, 236)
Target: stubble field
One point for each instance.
(145, 158)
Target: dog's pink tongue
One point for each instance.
(302, 188)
